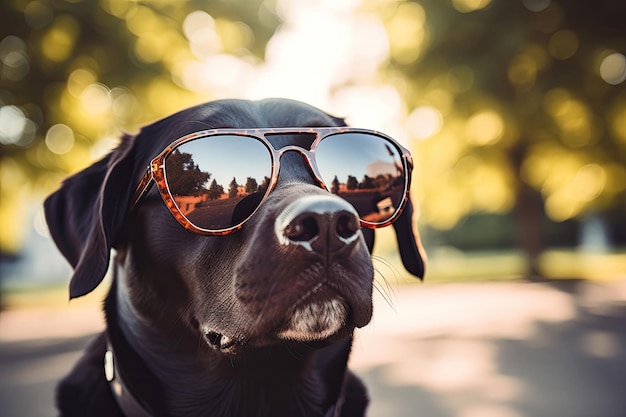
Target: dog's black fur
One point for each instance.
(176, 295)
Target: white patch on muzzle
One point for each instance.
(315, 321)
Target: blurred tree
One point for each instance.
(73, 73)
(532, 97)
(524, 100)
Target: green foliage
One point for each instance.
(513, 107)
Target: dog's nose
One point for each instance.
(319, 223)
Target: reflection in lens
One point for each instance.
(218, 181)
(364, 169)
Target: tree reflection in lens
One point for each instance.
(222, 200)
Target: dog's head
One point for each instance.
(299, 269)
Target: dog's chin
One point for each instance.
(315, 324)
(315, 321)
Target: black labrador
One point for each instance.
(251, 316)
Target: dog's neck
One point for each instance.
(181, 374)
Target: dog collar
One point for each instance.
(130, 406)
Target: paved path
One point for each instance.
(450, 350)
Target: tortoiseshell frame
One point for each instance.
(156, 169)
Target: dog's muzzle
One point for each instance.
(301, 287)
(325, 225)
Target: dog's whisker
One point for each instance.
(385, 296)
(389, 266)
(382, 284)
(182, 316)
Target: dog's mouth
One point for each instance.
(221, 342)
(317, 319)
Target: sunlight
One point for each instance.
(78, 80)
(60, 39)
(199, 28)
(407, 33)
(142, 20)
(372, 107)
(613, 69)
(219, 75)
(589, 182)
(151, 47)
(96, 99)
(424, 122)
(236, 37)
(456, 344)
(489, 182)
(305, 63)
(12, 215)
(12, 124)
(385, 65)
(467, 6)
(60, 139)
(572, 116)
(485, 128)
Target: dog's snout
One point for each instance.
(318, 223)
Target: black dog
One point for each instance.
(257, 322)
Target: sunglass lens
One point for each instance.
(366, 170)
(217, 182)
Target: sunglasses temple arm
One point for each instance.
(142, 188)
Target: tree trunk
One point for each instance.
(529, 216)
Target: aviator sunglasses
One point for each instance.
(213, 181)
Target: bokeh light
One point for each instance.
(59, 41)
(473, 107)
(60, 139)
(467, 6)
(14, 61)
(563, 44)
(536, 5)
(407, 33)
(12, 124)
(613, 68)
(485, 128)
(424, 122)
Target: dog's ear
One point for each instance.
(85, 215)
(411, 250)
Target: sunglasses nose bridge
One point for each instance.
(307, 155)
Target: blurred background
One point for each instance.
(514, 110)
